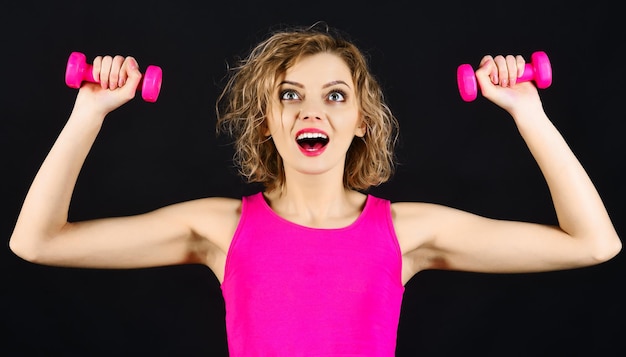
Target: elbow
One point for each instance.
(24, 249)
(608, 249)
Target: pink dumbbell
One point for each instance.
(78, 70)
(538, 70)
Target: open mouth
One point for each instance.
(312, 142)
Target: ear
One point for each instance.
(361, 129)
(266, 130)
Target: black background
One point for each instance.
(467, 155)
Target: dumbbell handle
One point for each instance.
(528, 75)
(539, 70)
(78, 71)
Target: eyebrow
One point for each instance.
(300, 85)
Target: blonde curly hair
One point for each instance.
(241, 108)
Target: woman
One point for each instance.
(313, 264)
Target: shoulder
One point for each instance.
(214, 218)
(216, 210)
(415, 210)
(207, 206)
(201, 212)
(406, 215)
(422, 215)
(417, 223)
(402, 209)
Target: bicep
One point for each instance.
(489, 245)
(458, 240)
(150, 239)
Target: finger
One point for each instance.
(511, 65)
(114, 74)
(130, 72)
(96, 67)
(123, 74)
(503, 71)
(105, 70)
(521, 65)
(487, 63)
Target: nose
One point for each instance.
(311, 110)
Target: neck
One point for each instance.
(316, 200)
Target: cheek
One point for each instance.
(288, 112)
(348, 118)
(277, 120)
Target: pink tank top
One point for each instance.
(292, 290)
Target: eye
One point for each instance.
(289, 94)
(336, 96)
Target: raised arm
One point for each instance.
(42, 233)
(440, 237)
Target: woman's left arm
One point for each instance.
(440, 237)
(580, 211)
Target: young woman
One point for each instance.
(313, 264)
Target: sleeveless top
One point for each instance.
(292, 290)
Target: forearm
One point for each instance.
(45, 208)
(579, 207)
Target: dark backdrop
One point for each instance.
(466, 155)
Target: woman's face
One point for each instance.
(314, 114)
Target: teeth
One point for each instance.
(311, 136)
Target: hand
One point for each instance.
(118, 79)
(497, 78)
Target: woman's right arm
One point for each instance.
(42, 233)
